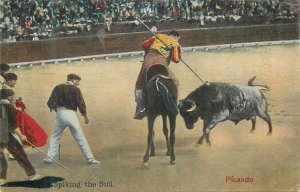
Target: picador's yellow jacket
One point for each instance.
(172, 52)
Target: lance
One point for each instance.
(139, 20)
(49, 157)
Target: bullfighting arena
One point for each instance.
(119, 142)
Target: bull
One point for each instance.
(218, 102)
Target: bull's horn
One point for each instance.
(193, 107)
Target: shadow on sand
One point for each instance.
(45, 182)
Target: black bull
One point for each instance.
(218, 102)
(162, 94)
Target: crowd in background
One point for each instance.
(40, 19)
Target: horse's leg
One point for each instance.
(152, 149)
(166, 133)
(151, 120)
(172, 119)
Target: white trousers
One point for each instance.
(68, 118)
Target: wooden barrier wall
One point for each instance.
(127, 42)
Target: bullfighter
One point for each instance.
(64, 100)
(7, 140)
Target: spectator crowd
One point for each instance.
(40, 19)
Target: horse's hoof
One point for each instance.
(269, 133)
(145, 164)
(172, 162)
(152, 154)
(252, 131)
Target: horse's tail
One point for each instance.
(168, 100)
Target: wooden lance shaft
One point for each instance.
(49, 157)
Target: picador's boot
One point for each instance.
(140, 100)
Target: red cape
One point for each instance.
(29, 127)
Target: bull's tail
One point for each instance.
(250, 82)
(168, 101)
(261, 87)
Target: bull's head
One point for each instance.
(187, 109)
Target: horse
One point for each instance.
(161, 97)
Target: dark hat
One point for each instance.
(174, 33)
(4, 67)
(72, 76)
(10, 76)
(5, 93)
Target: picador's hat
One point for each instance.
(174, 33)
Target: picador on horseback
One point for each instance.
(156, 53)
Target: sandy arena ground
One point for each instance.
(119, 142)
